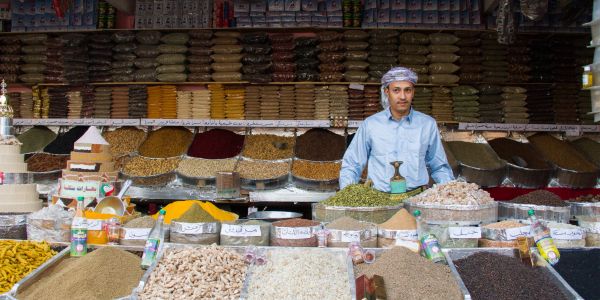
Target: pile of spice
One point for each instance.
(348, 223)
(192, 273)
(195, 214)
(19, 258)
(316, 170)
(252, 232)
(269, 146)
(294, 233)
(124, 140)
(106, 273)
(300, 274)
(142, 166)
(44, 162)
(540, 197)
(205, 168)
(166, 142)
(587, 198)
(360, 195)
(421, 277)
(580, 269)
(320, 145)
(177, 208)
(513, 152)
(475, 155)
(494, 276)
(402, 220)
(65, 142)
(561, 153)
(453, 193)
(216, 144)
(261, 170)
(143, 222)
(35, 139)
(504, 225)
(589, 148)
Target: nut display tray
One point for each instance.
(507, 210)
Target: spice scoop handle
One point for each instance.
(126, 184)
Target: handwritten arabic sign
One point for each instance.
(566, 234)
(570, 129)
(240, 230)
(514, 233)
(135, 233)
(94, 224)
(350, 236)
(194, 228)
(293, 233)
(464, 232)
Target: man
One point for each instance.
(398, 133)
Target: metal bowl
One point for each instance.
(110, 205)
(273, 215)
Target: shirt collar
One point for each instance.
(408, 117)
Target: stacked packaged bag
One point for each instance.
(383, 52)
(495, 65)
(10, 48)
(122, 67)
(413, 51)
(172, 57)
(33, 48)
(199, 53)
(514, 105)
(257, 60)
(307, 62)
(490, 106)
(442, 58)
(331, 56)
(100, 57)
(356, 64)
(470, 57)
(147, 51)
(284, 65)
(226, 56)
(465, 104)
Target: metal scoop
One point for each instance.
(113, 204)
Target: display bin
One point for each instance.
(343, 238)
(462, 214)
(584, 209)
(342, 253)
(483, 177)
(507, 211)
(456, 254)
(577, 180)
(316, 185)
(264, 184)
(591, 225)
(377, 215)
(528, 178)
(196, 181)
(448, 240)
(150, 181)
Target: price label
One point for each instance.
(412, 245)
(356, 86)
(464, 232)
(195, 228)
(78, 222)
(94, 224)
(240, 230)
(566, 234)
(350, 236)
(293, 233)
(410, 235)
(136, 233)
(514, 233)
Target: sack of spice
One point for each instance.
(503, 234)
(346, 230)
(295, 233)
(456, 236)
(399, 230)
(52, 224)
(195, 226)
(245, 233)
(178, 208)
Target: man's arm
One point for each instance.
(436, 158)
(355, 158)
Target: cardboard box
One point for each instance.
(415, 5)
(370, 4)
(430, 17)
(415, 17)
(293, 5)
(398, 16)
(383, 16)
(384, 4)
(443, 5)
(333, 5)
(398, 5)
(309, 5)
(258, 5)
(454, 17)
(276, 5)
(430, 5)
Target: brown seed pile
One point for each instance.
(142, 166)
(205, 168)
(106, 273)
(124, 140)
(320, 145)
(202, 273)
(540, 197)
(260, 170)
(269, 146)
(166, 142)
(561, 153)
(408, 275)
(44, 162)
(316, 170)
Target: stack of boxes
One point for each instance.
(41, 16)
(291, 13)
(408, 13)
(173, 14)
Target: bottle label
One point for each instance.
(548, 250)
(431, 248)
(78, 241)
(398, 186)
(150, 250)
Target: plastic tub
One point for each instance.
(462, 214)
(377, 214)
(507, 211)
(528, 178)
(585, 209)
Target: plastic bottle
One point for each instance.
(587, 79)
(154, 241)
(543, 239)
(79, 229)
(428, 242)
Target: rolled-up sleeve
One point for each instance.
(436, 158)
(355, 158)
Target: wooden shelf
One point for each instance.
(224, 83)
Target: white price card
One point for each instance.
(406, 235)
(350, 236)
(356, 86)
(464, 232)
(194, 228)
(514, 233)
(293, 233)
(240, 230)
(94, 224)
(136, 233)
(566, 233)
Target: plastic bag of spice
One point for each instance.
(295, 233)
(195, 226)
(257, 49)
(176, 38)
(148, 37)
(356, 46)
(245, 233)
(346, 230)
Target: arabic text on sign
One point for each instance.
(94, 224)
(350, 236)
(136, 233)
(464, 232)
(240, 230)
(406, 235)
(195, 228)
(514, 233)
(566, 234)
(294, 233)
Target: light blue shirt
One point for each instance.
(414, 140)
